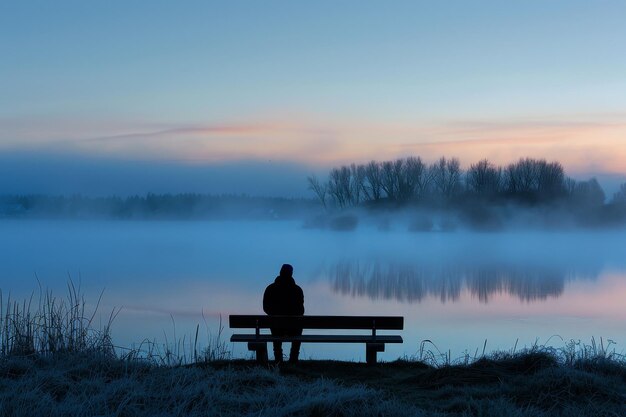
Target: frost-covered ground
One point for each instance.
(533, 384)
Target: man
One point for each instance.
(284, 298)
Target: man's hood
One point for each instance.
(284, 280)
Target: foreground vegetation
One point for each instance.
(526, 384)
(54, 363)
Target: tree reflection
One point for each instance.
(413, 283)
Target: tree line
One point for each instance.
(153, 206)
(412, 181)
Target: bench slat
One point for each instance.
(317, 322)
(317, 338)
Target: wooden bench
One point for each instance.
(374, 342)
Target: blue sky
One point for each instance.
(314, 83)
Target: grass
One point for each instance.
(53, 325)
(54, 362)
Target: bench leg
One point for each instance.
(261, 351)
(370, 352)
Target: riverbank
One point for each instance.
(525, 384)
(55, 362)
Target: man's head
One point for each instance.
(286, 270)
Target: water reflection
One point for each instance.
(413, 283)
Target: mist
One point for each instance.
(177, 243)
(67, 174)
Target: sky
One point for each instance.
(138, 96)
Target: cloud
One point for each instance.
(581, 143)
(220, 130)
(209, 143)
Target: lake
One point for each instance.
(456, 289)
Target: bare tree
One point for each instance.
(521, 178)
(570, 186)
(527, 175)
(318, 188)
(550, 179)
(484, 178)
(333, 187)
(536, 179)
(425, 180)
(446, 176)
(373, 185)
(588, 193)
(620, 196)
(510, 182)
(391, 173)
(339, 186)
(412, 179)
(357, 183)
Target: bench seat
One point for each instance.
(374, 342)
(317, 338)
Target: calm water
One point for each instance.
(455, 289)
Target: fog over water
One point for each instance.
(457, 289)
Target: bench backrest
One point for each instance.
(318, 322)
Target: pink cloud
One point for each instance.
(580, 143)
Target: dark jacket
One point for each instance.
(283, 297)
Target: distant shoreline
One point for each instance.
(484, 215)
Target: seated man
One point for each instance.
(284, 298)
